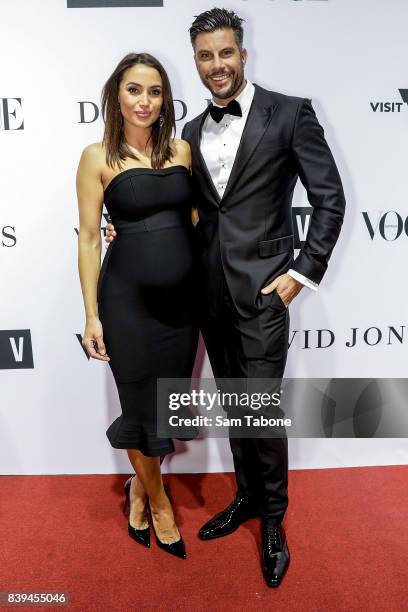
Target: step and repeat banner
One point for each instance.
(349, 57)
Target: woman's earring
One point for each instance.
(161, 120)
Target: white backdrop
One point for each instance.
(345, 55)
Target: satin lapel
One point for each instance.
(259, 117)
(205, 179)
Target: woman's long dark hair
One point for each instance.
(116, 147)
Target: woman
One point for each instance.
(139, 305)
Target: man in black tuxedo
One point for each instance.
(248, 149)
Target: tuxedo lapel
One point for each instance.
(202, 174)
(259, 117)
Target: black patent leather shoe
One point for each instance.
(139, 535)
(275, 554)
(228, 520)
(177, 549)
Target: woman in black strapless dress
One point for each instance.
(140, 307)
(145, 297)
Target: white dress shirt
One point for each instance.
(219, 146)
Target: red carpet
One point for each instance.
(346, 528)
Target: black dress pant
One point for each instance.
(253, 348)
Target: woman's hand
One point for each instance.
(93, 340)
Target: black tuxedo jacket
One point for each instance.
(247, 236)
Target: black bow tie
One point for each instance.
(232, 108)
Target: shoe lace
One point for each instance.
(273, 538)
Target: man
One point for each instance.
(248, 149)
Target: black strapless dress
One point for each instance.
(147, 297)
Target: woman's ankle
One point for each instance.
(137, 491)
(160, 503)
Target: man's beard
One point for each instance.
(236, 83)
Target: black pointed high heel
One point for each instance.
(140, 535)
(177, 549)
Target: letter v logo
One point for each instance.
(79, 338)
(404, 95)
(17, 352)
(371, 229)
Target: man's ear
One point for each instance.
(244, 55)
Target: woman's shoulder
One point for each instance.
(94, 155)
(181, 145)
(182, 151)
(95, 150)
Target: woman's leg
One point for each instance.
(138, 499)
(151, 482)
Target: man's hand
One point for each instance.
(286, 286)
(194, 216)
(110, 233)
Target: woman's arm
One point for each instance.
(90, 204)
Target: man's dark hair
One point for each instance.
(217, 19)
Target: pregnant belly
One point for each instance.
(161, 260)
